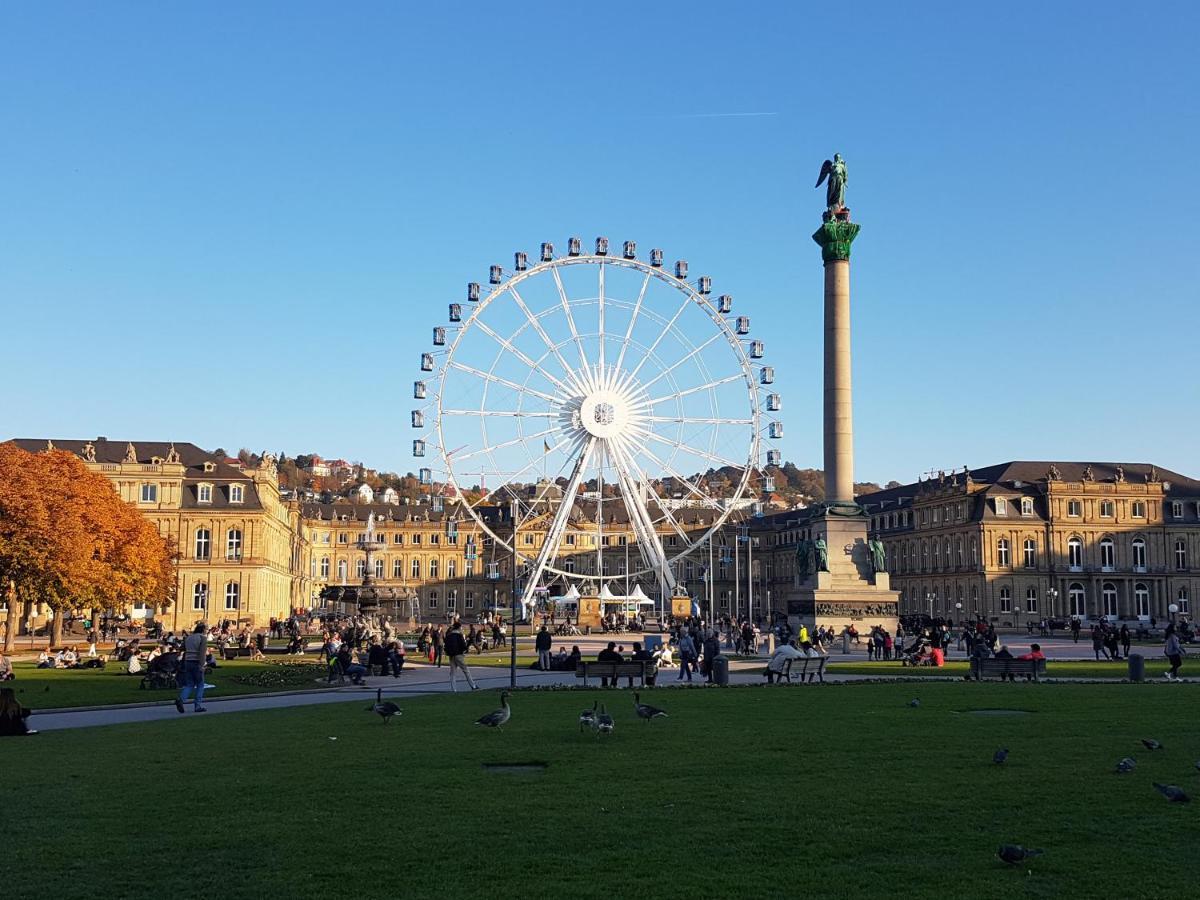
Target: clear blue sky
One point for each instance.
(235, 224)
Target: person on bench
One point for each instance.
(643, 656)
(1005, 653)
(609, 655)
(777, 664)
(1035, 653)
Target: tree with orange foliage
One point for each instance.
(69, 541)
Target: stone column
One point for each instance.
(835, 237)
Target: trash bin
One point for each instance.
(720, 669)
(845, 643)
(1137, 667)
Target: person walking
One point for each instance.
(1126, 640)
(1173, 651)
(1075, 625)
(195, 649)
(687, 655)
(1098, 642)
(439, 645)
(542, 643)
(456, 649)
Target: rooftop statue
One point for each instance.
(834, 170)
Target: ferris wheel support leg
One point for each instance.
(643, 526)
(558, 524)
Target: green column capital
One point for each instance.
(835, 238)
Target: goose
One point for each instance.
(646, 711)
(497, 717)
(385, 709)
(604, 722)
(1151, 744)
(588, 717)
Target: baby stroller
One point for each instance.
(160, 675)
(917, 654)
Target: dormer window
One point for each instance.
(236, 493)
(210, 467)
(204, 493)
(1026, 506)
(1001, 506)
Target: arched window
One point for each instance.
(324, 566)
(397, 568)
(958, 553)
(1181, 598)
(569, 565)
(1108, 598)
(416, 568)
(1139, 554)
(937, 556)
(1075, 554)
(1077, 599)
(342, 570)
(1141, 599)
(379, 568)
(1002, 553)
(1106, 554)
(451, 599)
(1005, 600)
(360, 568)
(203, 543)
(200, 596)
(233, 543)
(433, 568)
(974, 553)
(1031, 600)
(451, 567)
(233, 593)
(1030, 553)
(1181, 555)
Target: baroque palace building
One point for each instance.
(1027, 540)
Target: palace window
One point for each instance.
(398, 539)
(324, 566)
(451, 568)
(621, 540)
(1077, 598)
(451, 599)
(415, 540)
(233, 592)
(469, 569)
(433, 599)
(1074, 508)
(149, 493)
(435, 539)
(469, 600)
(433, 568)
(342, 570)
(528, 540)
(1176, 509)
(958, 553)
(1031, 600)
(974, 552)
(233, 543)
(1005, 600)
(379, 568)
(1075, 554)
(1182, 599)
(416, 568)
(199, 596)
(204, 493)
(397, 568)
(203, 543)
(360, 568)
(937, 558)
(1139, 555)
(1002, 555)
(236, 493)
(1106, 509)
(1141, 599)
(1106, 554)
(1001, 506)
(1026, 506)
(925, 556)
(1139, 509)
(1030, 551)
(569, 566)
(1181, 555)
(1108, 598)
(343, 537)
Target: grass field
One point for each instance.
(59, 688)
(1054, 669)
(838, 791)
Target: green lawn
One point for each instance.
(58, 688)
(838, 791)
(1054, 669)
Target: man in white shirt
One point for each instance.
(777, 665)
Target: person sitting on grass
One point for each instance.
(6, 669)
(45, 660)
(12, 715)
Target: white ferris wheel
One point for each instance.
(595, 393)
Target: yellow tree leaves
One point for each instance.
(68, 540)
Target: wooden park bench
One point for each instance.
(643, 670)
(811, 666)
(236, 652)
(1004, 668)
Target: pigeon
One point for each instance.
(497, 717)
(646, 711)
(1125, 766)
(1000, 756)
(914, 703)
(604, 722)
(385, 709)
(588, 717)
(1015, 854)
(1151, 744)
(1172, 792)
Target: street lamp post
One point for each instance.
(929, 600)
(1173, 609)
(958, 613)
(1017, 615)
(1052, 596)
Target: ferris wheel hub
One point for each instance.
(605, 413)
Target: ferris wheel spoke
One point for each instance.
(632, 462)
(689, 420)
(491, 376)
(509, 477)
(566, 305)
(637, 308)
(515, 351)
(601, 295)
(649, 354)
(522, 414)
(716, 382)
(675, 365)
(705, 498)
(643, 525)
(546, 339)
(679, 445)
(517, 440)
